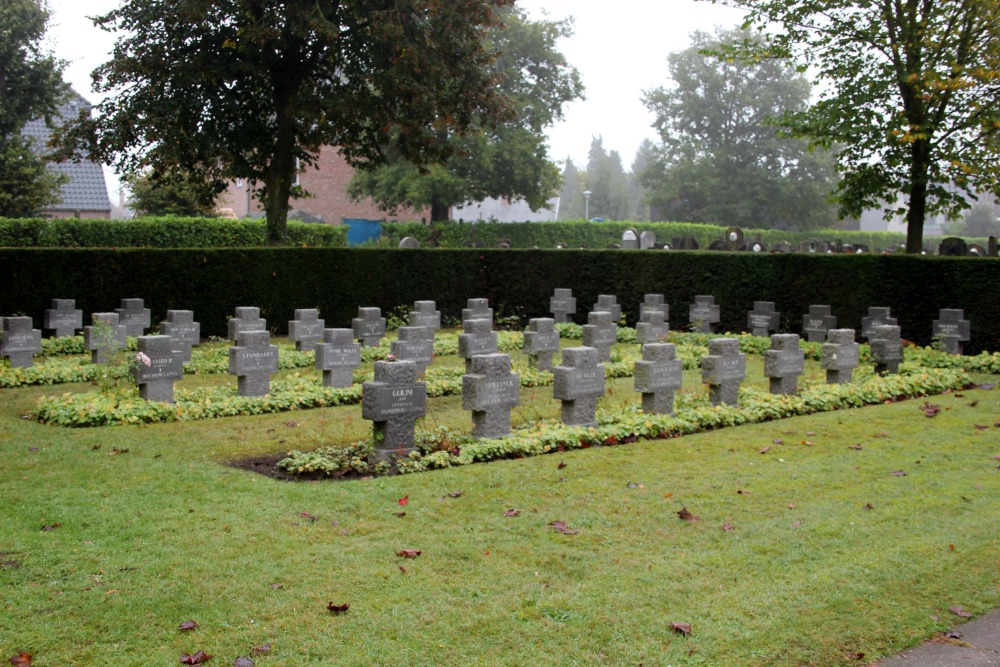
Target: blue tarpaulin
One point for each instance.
(361, 231)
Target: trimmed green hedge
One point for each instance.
(167, 232)
(213, 282)
(601, 235)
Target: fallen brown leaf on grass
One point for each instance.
(728, 526)
(338, 608)
(856, 447)
(685, 515)
(263, 648)
(512, 512)
(765, 450)
(958, 611)
(409, 553)
(22, 659)
(196, 659)
(561, 465)
(931, 410)
(899, 473)
(187, 625)
(681, 628)
(243, 661)
(562, 528)
(50, 527)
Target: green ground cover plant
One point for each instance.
(805, 541)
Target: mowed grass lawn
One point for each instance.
(814, 551)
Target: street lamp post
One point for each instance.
(586, 204)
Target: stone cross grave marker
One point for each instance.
(63, 317)
(817, 322)
(647, 240)
(658, 377)
(414, 344)
(337, 356)
(490, 390)
(653, 328)
(541, 341)
(368, 326)
(763, 319)
(409, 242)
(630, 239)
(877, 316)
(478, 309)
(578, 383)
(134, 316)
(562, 304)
(425, 314)
(887, 349)
(609, 304)
(840, 356)
(951, 329)
(654, 302)
(19, 341)
(724, 368)
(784, 363)
(479, 338)
(600, 333)
(156, 380)
(306, 329)
(103, 337)
(704, 314)
(247, 319)
(393, 402)
(183, 330)
(252, 360)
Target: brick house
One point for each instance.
(85, 194)
(330, 204)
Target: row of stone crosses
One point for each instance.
(490, 390)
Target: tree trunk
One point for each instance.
(917, 210)
(278, 183)
(439, 211)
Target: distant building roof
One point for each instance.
(86, 189)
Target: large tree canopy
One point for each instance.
(720, 160)
(507, 160)
(31, 87)
(249, 88)
(910, 96)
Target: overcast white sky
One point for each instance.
(619, 47)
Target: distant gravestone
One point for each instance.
(393, 402)
(724, 368)
(490, 390)
(478, 338)
(337, 356)
(951, 329)
(156, 379)
(477, 309)
(704, 314)
(813, 246)
(652, 327)
(562, 304)
(104, 337)
(609, 303)
(658, 377)
(953, 246)
(630, 240)
(877, 316)
(647, 240)
(784, 247)
(414, 344)
(63, 317)
(754, 246)
(763, 319)
(600, 333)
(134, 316)
(541, 341)
(184, 332)
(425, 314)
(976, 250)
(253, 360)
(19, 341)
(784, 363)
(654, 302)
(409, 242)
(578, 383)
(734, 238)
(247, 319)
(840, 356)
(306, 329)
(684, 243)
(504, 244)
(887, 349)
(368, 326)
(817, 322)
(992, 248)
